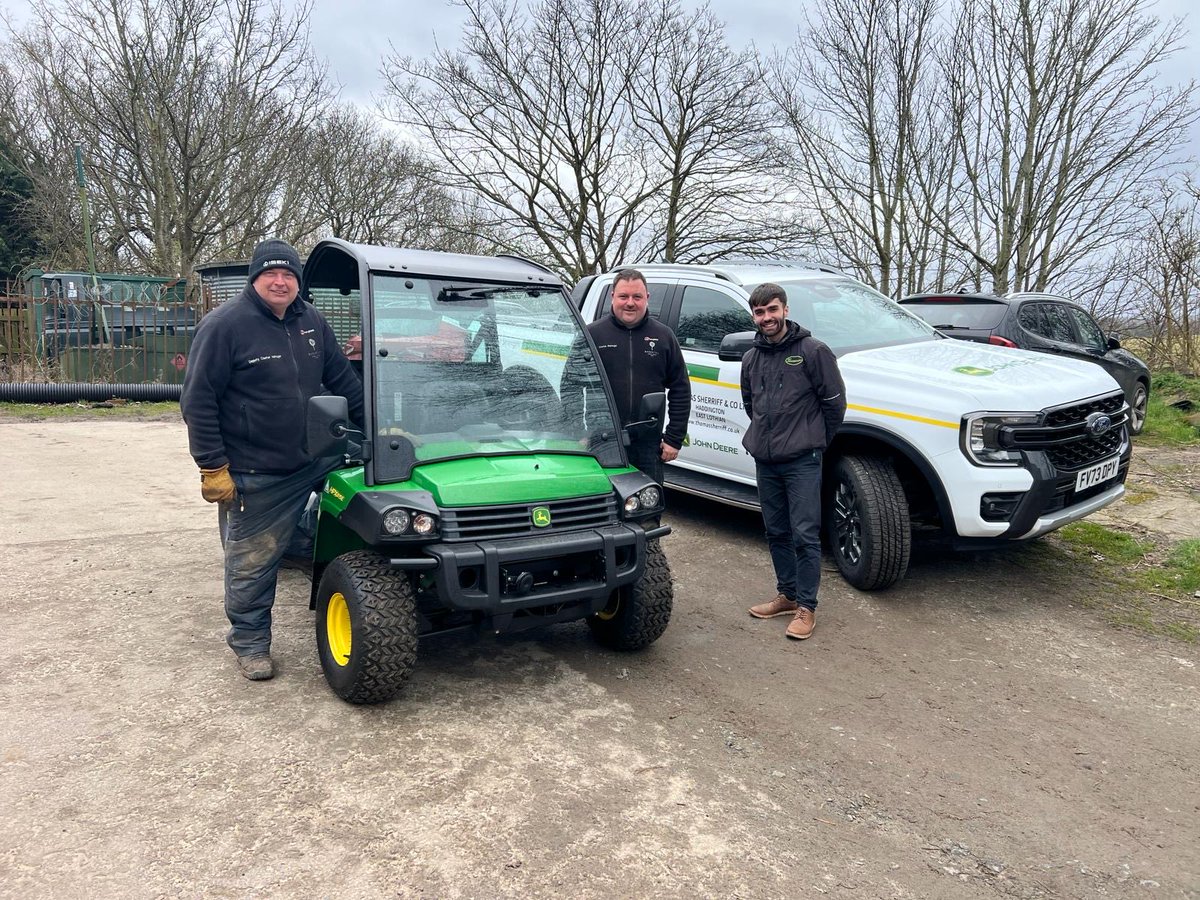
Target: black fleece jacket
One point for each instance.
(793, 394)
(641, 360)
(249, 378)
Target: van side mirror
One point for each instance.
(734, 346)
(1113, 342)
(328, 427)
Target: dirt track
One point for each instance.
(974, 733)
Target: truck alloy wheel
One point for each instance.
(867, 523)
(366, 627)
(637, 615)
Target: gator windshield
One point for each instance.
(467, 368)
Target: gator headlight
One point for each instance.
(986, 440)
(644, 501)
(396, 522)
(423, 523)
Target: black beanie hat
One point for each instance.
(274, 254)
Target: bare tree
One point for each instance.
(1150, 286)
(856, 96)
(601, 130)
(705, 114)
(190, 114)
(1060, 124)
(531, 117)
(365, 183)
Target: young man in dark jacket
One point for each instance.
(253, 366)
(794, 396)
(642, 356)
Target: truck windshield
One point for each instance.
(466, 368)
(849, 316)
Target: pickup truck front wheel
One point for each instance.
(637, 615)
(366, 627)
(867, 523)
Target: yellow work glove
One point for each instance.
(216, 485)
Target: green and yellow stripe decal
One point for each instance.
(899, 415)
(711, 375)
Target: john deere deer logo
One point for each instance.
(540, 516)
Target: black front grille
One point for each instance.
(475, 523)
(1078, 412)
(1064, 436)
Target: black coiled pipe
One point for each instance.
(71, 393)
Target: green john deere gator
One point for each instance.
(488, 486)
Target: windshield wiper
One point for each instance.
(453, 292)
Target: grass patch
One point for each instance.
(1166, 424)
(1135, 497)
(1151, 588)
(87, 409)
(1180, 570)
(1114, 546)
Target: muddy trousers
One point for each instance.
(263, 524)
(790, 495)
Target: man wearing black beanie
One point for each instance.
(253, 366)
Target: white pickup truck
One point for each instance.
(981, 446)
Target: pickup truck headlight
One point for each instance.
(985, 439)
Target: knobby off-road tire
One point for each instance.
(638, 614)
(867, 523)
(366, 627)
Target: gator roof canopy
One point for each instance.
(329, 261)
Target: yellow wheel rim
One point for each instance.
(610, 611)
(337, 629)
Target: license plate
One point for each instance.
(1100, 472)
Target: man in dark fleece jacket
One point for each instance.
(795, 400)
(640, 355)
(253, 366)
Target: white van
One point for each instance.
(980, 445)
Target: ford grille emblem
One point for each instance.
(1098, 423)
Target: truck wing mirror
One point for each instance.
(328, 427)
(734, 346)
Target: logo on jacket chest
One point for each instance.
(650, 345)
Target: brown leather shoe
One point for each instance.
(801, 627)
(780, 606)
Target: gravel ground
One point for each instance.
(977, 732)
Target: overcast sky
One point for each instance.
(352, 36)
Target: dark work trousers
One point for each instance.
(647, 456)
(263, 525)
(790, 494)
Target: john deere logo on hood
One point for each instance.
(795, 360)
(972, 370)
(540, 516)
